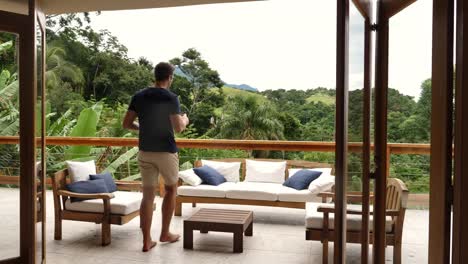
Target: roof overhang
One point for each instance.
(75, 6)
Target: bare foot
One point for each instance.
(171, 238)
(147, 247)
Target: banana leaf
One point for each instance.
(86, 126)
(4, 77)
(121, 160)
(132, 177)
(6, 46)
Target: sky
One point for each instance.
(275, 44)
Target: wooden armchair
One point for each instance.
(106, 217)
(321, 227)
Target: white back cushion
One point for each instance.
(80, 171)
(265, 171)
(322, 184)
(230, 170)
(189, 177)
(325, 171)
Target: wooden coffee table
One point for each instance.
(219, 220)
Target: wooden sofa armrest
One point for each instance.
(356, 197)
(128, 185)
(329, 209)
(104, 196)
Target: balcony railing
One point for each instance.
(246, 145)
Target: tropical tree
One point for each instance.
(199, 88)
(246, 118)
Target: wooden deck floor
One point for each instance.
(278, 238)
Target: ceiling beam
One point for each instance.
(74, 6)
(364, 7)
(393, 7)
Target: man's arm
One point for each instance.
(179, 122)
(129, 121)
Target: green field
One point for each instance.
(320, 97)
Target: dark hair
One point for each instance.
(163, 71)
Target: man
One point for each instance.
(158, 112)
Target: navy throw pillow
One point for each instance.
(301, 179)
(108, 179)
(96, 186)
(209, 175)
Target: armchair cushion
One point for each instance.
(80, 171)
(123, 203)
(209, 175)
(108, 179)
(302, 179)
(96, 186)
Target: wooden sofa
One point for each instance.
(319, 225)
(106, 218)
(181, 199)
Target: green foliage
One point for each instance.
(86, 126)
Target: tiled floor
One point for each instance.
(278, 238)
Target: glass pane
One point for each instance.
(355, 118)
(40, 188)
(9, 153)
(409, 105)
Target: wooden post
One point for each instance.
(381, 101)
(460, 202)
(441, 132)
(341, 160)
(366, 141)
(27, 101)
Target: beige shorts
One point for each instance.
(153, 164)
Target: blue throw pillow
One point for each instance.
(108, 179)
(301, 179)
(209, 175)
(96, 186)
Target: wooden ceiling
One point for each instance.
(74, 6)
(391, 7)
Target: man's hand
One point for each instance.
(179, 122)
(129, 121)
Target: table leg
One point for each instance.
(238, 242)
(188, 237)
(249, 230)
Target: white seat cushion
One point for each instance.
(254, 191)
(287, 194)
(314, 219)
(123, 203)
(205, 190)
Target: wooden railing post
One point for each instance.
(389, 153)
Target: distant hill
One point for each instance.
(321, 97)
(229, 91)
(242, 87)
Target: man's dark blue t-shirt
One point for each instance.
(154, 107)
